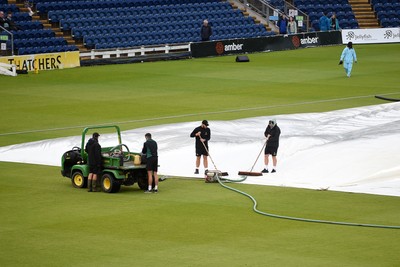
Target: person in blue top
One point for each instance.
(347, 58)
(324, 23)
(282, 24)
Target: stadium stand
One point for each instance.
(387, 12)
(118, 24)
(315, 8)
(109, 24)
(31, 37)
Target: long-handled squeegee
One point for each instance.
(251, 173)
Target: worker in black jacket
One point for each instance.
(93, 149)
(150, 150)
(272, 133)
(202, 135)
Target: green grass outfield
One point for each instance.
(45, 222)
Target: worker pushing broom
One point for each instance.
(202, 134)
(271, 144)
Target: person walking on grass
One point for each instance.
(347, 58)
(272, 133)
(93, 149)
(202, 135)
(150, 150)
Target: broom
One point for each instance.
(250, 173)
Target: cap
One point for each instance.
(96, 134)
(205, 122)
(272, 122)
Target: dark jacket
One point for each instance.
(93, 149)
(150, 148)
(205, 133)
(275, 132)
(205, 32)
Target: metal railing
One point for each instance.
(12, 38)
(306, 19)
(266, 10)
(135, 52)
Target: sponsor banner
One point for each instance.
(272, 43)
(371, 36)
(294, 41)
(225, 47)
(62, 60)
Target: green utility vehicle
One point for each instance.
(119, 165)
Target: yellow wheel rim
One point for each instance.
(106, 183)
(78, 180)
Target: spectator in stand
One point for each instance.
(205, 31)
(3, 20)
(292, 26)
(29, 6)
(282, 24)
(324, 23)
(12, 26)
(334, 22)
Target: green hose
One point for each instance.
(295, 218)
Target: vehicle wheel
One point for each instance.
(109, 184)
(78, 181)
(143, 181)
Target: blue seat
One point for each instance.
(329, 8)
(350, 15)
(341, 15)
(344, 23)
(385, 22)
(378, 7)
(353, 23)
(381, 14)
(392, 14)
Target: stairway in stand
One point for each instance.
(364, 14)
(47, 25)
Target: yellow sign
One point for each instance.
(62, 60)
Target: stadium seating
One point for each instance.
(7, 8)
(387, 12)
(30, 36)
(46, 49)
(127, 23)
(315, 8)
(117, 23)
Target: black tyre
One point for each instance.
(78, 181)
(142, 179)
(109, 184)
